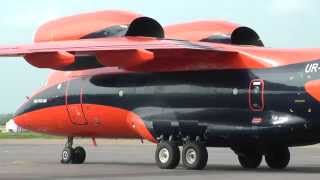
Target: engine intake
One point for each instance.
(245, 36)
(239, 36)
(147, 27)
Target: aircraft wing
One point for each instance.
(137, 53)
(90, 46)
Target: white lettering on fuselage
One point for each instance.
(40, 101)
(312, 68)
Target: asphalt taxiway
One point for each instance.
(39, 159)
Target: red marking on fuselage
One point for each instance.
(261, 94)
(313, 89)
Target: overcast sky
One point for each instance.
(280, 23)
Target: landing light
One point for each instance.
(256, 120)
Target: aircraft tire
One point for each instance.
(250, 160)
(194, 156)
(167, 155)
(79, 155)
(67, 155)
(278, 158)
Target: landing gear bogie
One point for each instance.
(194, 152)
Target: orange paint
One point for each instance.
(124, 59)
(198, 30)
(75, 27)
(53, 60)
(103, 121)
(313, 88)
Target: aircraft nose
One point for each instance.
(313, 89)
(20, 117)
(21, 121)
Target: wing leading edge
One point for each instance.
(131, 53)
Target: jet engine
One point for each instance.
(89, 25)
(83, 26)
(215, 32)
(145, 26)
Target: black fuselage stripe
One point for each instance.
(194, 89)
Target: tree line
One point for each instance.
(4, 118)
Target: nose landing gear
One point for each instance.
(72, 155)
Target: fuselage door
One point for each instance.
(256, 96)
(74, 102)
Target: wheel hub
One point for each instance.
(65, 155)
(191, 156)
(164, 155)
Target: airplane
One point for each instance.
(188, 86)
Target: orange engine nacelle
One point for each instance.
(199, 30)
(214, 31)
(79, 26)
(54, 60)
(120, 23)
(90, 25)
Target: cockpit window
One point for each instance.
(113, 31)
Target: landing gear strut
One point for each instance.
(72, 156)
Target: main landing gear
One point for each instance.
(250, 158)
(72, 155)
(194, 155)
(167, 155)
(276, 158)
